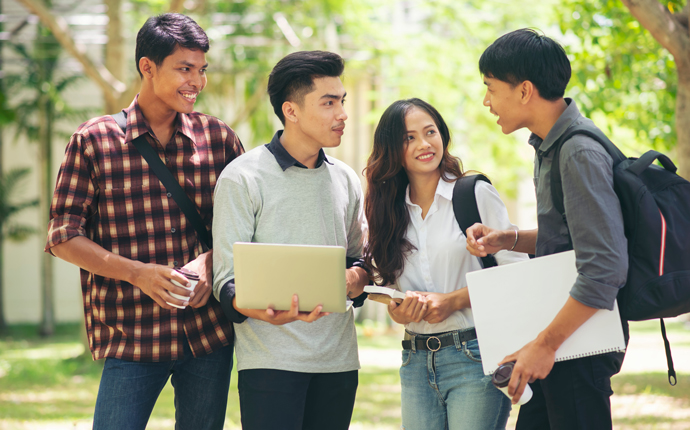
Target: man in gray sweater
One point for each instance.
(297, 370)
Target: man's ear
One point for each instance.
(527, 91)
(290, 111)
(147, 67)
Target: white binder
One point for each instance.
(512, 304)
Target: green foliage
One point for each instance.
(620, 70)
(10, 186)
(6, 115)
(431, 50)
(247, 43)
(40, 88)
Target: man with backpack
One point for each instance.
(526, 75)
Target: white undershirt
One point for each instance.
(440, 261)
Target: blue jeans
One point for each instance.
(129, 390)
(447, 390)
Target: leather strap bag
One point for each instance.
(170, 183)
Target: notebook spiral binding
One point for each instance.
(590, 353)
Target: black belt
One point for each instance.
(435, 342)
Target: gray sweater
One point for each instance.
(256, 201)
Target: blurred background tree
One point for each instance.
(631, 64)
(38, 106)
(623, 76)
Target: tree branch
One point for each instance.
(663, 26)
(682, 16)
(176, 6)
(58, 26)
(251, 104)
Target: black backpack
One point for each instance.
(655, 202)
(465, 208)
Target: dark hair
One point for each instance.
(384, 203)
(525, 55)
(161, 35)
(293, 77)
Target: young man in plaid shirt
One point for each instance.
(113, 218)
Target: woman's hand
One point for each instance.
(412, 309)
(439, 306)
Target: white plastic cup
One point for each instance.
(501, 378)
(193, 279)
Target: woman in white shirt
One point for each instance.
(415, 243)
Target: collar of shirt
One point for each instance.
(138, 125)
(443, 189)
(564, 122)
(286, 160)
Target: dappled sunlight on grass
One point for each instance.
(48, 384)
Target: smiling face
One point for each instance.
(423, 144)
(320, 117)
(505, 101)
(177, 81)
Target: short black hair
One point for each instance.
(526, 55)
(161, 35)
(293, 77)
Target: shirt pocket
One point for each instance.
(130, 212)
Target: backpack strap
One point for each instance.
(169, 182)
(465, 208)
(556, 183)
(669, 360)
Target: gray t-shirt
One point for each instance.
(257, 201)
(595, 221)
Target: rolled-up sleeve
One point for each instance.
(75, 197)
(595, 223)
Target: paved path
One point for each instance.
(645, 354)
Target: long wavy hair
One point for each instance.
(387, 181)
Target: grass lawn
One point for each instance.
(46, 384)
(42, 383)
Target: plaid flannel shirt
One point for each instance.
(106, 192)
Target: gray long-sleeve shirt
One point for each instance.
(593, 211)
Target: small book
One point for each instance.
(383, 294)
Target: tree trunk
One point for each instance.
(47, 327)
(114, 52)
(47, 52)
(683, 119)
(3, 323)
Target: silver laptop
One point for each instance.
(269, 274)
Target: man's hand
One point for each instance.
(439, 306)
(154, 281)
(534, 361)
(203, 265)
(483, 240)
(282, 317)
(412, 309)
(355, 280)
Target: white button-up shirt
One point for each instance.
(440, 261)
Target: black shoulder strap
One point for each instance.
(556, 182)
(465, 208)
(169, 182)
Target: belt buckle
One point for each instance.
(437, 340)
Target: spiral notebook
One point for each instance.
(513, 303)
